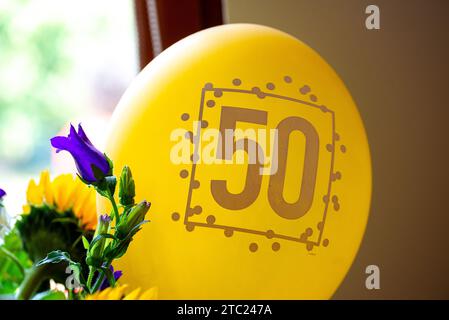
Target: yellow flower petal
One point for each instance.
(118, 293)
(65, 192)
(45, 186)
(150, 294)
(82, 208)
(103, 295)
(133, 295)
(26, 209)
(63, 187)
(34, 194)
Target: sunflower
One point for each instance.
(57, 214)
(120, 293)
(63, 194)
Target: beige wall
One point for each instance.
(399, 78)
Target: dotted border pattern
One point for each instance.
(270, 234)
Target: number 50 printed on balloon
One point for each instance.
(248, 160)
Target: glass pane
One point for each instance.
(60, 62)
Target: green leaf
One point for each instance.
(111, 164)
(10, 275)
(55, 257)
(85, 243)
(84, 181)
(102, 236)
(120, 249)
(109, 276)
(59, 256)
(136, 229)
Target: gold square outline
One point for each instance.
(261, 94)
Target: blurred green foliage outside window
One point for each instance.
(59, 62)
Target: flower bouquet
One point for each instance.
(59, 247)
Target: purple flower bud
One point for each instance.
(117, 274)
(103, 224)
(2, 193)
(105, 218)
(92, 165)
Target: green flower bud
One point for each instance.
(95, 254)
(127, 190)
(134, 218)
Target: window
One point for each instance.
(60, 61)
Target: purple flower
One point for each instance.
(92, 165)
(2, 193)
(117, 274)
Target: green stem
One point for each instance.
(90, 278)
(101, 277)
(114, 207)
(11, 256)
(33, 280)
(98, 282)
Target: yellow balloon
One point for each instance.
(278, 211)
